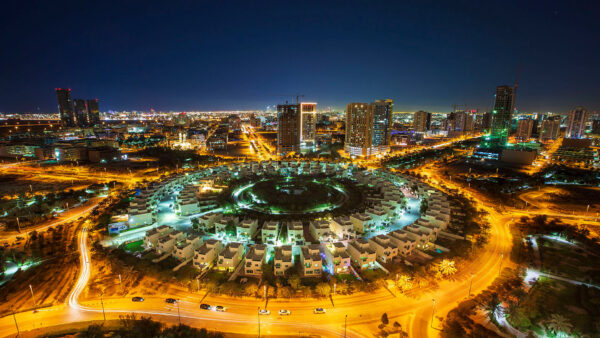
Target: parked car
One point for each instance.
(137, 299)
(205, 306)
(319, 311)
(171, 300)
(284, 312)
(264, 312)
(220, 308)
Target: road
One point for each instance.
(67, 216)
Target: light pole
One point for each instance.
(18, 225)
(471, 284)
(345, 324)
(32, 298)
(178, 313)
(102, 303)
(15, 318)
(432, 312)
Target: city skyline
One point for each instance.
(216, 57)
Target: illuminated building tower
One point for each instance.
(288, 128)
(469, 124)
(93, 112)
(550, 128)
(524, 129)
(308, 112)
(81, 112)
(422, 121)
(576, 122)
(486, 121)
(501, 115)
(459, 120)
(368, 128)
(65, 107)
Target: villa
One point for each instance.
(310, 258)
(207, 253)
(283, 259)
(255, 258)
(230, 257)
(363, 256)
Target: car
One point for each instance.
(171, 300)
(137, 299)
(264, 312)
(220, 308)
(205, 306)
(319, 311)
(284, 312)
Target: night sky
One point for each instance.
(219, 55)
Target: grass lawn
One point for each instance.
(134, 246)
(569, 261)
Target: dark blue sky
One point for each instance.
(217, 55)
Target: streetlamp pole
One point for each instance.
(15, 318)
(471, 284)
(102, 303)
(345, 325)
(432, 313)
(178, 313)
(32, 297)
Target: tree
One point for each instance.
(446, 267)
(558, 324)
(294, 282)
(323, 289)
(384, 319)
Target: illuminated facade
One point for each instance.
(93, 112)
(308, 124)
(288, 128)
(422, 121)
(501, 115)
(81, 112)
(576, 123)
(368, 128)
(65, 107)
(524, 129)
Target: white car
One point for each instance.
(220, 308)
(264, 312)
(284, 312)
(319, 311)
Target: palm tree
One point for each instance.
(447, 267)
(558, 324)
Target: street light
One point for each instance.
(178, 313)
(345, 324)
(471, 284)
(102, 303)
(15, 318)
(432, 313)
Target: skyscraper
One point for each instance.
(308, 112)
(368, 128)
(504, 103)
(576, 122)
(93, 112)
(422, 121)
(459, 121)
(550, 128)
(65, 107)
(81, 112)
(382, 125)
(288, 128)
(524, 129)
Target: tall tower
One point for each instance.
(504, 103)
(576, 122)
(368, 128)
(382, 126)
(422, 121)
(93, 112)
(308, 112)
(81, 112)
(288, 128)
(65, 107)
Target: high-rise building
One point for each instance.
(308, 112)
(288, 128)
(382, 125)
(486, 121)
(469, 124)
(504, 103)
(459, 120)
(368, 128)
(550, 129)
(65, 107)
(93, 112)
(576, 122)
(81, 112)
(524, 129)
(422, 121)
